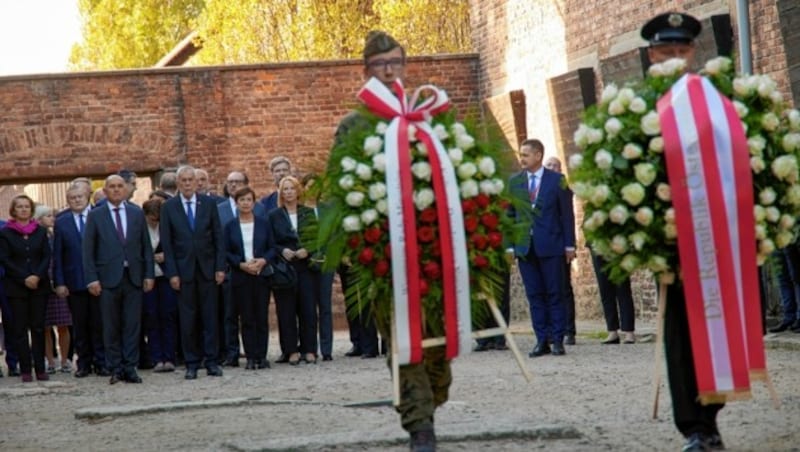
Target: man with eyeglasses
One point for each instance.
(424, 386)
(280, 167)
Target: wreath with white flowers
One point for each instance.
(621, 174)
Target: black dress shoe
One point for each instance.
(500, 346)
(327, 358)
(542, 348)
(262, 364)
(369, 355)
(558, 349)
(133, 377)
(251, 365)
(191, 374)
(354, 351)
(697, 442)
(481, 347)
(230, 362)
(115, 379)
(715, 442)
(569, 339)
(80, 373)
(102, 372)
(608, 341)
(214, 371)
(14, 372)
(796, 327)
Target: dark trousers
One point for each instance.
(87, 328)
(690, 416)
(308, 297)
(161, 309)
(613, 296)
(568, 295)
(325, 311)
(505, 309)
(11, 349)
(788, 274)
(363, 332)
(28, 315)
(122, 324)
(543, 281)
(198, 316)
(229, 339)
(252, 303)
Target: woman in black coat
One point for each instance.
(248, 241)
(25, 254)
(290, 221)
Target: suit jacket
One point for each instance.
(551, 220)
(104, 256)
(262, 246)
(226, 214)
(68, 253)
(186, 249)
(270, 202)
(22, 258)
(285, 236)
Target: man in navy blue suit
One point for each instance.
(194, 257)
(87, 324)
(229, 339)
(118, 267)
(280, 167)
(545, 210)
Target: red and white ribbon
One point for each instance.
(406, 274)
(712, 193)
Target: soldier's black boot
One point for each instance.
(423, 441)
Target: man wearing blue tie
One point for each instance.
(194, 257)
(545, 210)
(118, 267)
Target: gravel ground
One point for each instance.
(595, 398)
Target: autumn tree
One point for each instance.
(130, 33)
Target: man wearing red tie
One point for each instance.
(544, 209)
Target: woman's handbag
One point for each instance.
(281, 274)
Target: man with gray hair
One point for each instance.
(194, 257)
(280, 167)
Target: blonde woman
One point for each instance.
(57, 313)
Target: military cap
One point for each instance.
(671, 28)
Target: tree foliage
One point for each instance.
(121, 34)
(136, 33)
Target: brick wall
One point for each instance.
(56, 127)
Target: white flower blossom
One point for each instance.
(456, 155)
(656, 145)
(603, 159)
(741, 109)
(609, 93)
(379, 162)
(657, 264)
(348, 164)
(761, 231)
(373, 144)
(772, 214)
(791, 142)
(486, 166)
(638, 105)
(469, 188)
(499, 185)
(650, 124)
(645, 173)
(633, 193)
(785, 168)
(770, 121)
(421, 149)
(670, 231)
(766, 86)
(612, 127)
(594, 136)
(354, 199)
(717, 65)
(377, 191)
(756, 145)
(644, 216)
(760, 213)
(364, 172)
(441, 132)
(381, 127)
(599, 217)
(466, 170)
(422, 170)
(423, 198)
(488, 187)
(629, 263)
(766, 246)
(351, 223)
(664, 192)
(382, 206)
(784, 239)
(776, 97)
(638, 239)
(458, 129)
(793, 195)
(757, 164)
(615, 108)
(369, 216)
(626, 96)
(347, 182)
(619, 244)
(599, 195)
(669, 215)
(767, 196)
(465, 142)
(582, 190)
(575, 161)
(787, 222)
(632, 151)
(412, 133)
(794, 119)
(618, 214)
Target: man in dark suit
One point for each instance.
(280, 167)
(544, 208)
(194, 257)
(229, 339)
(118, 266)
(87, 323)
